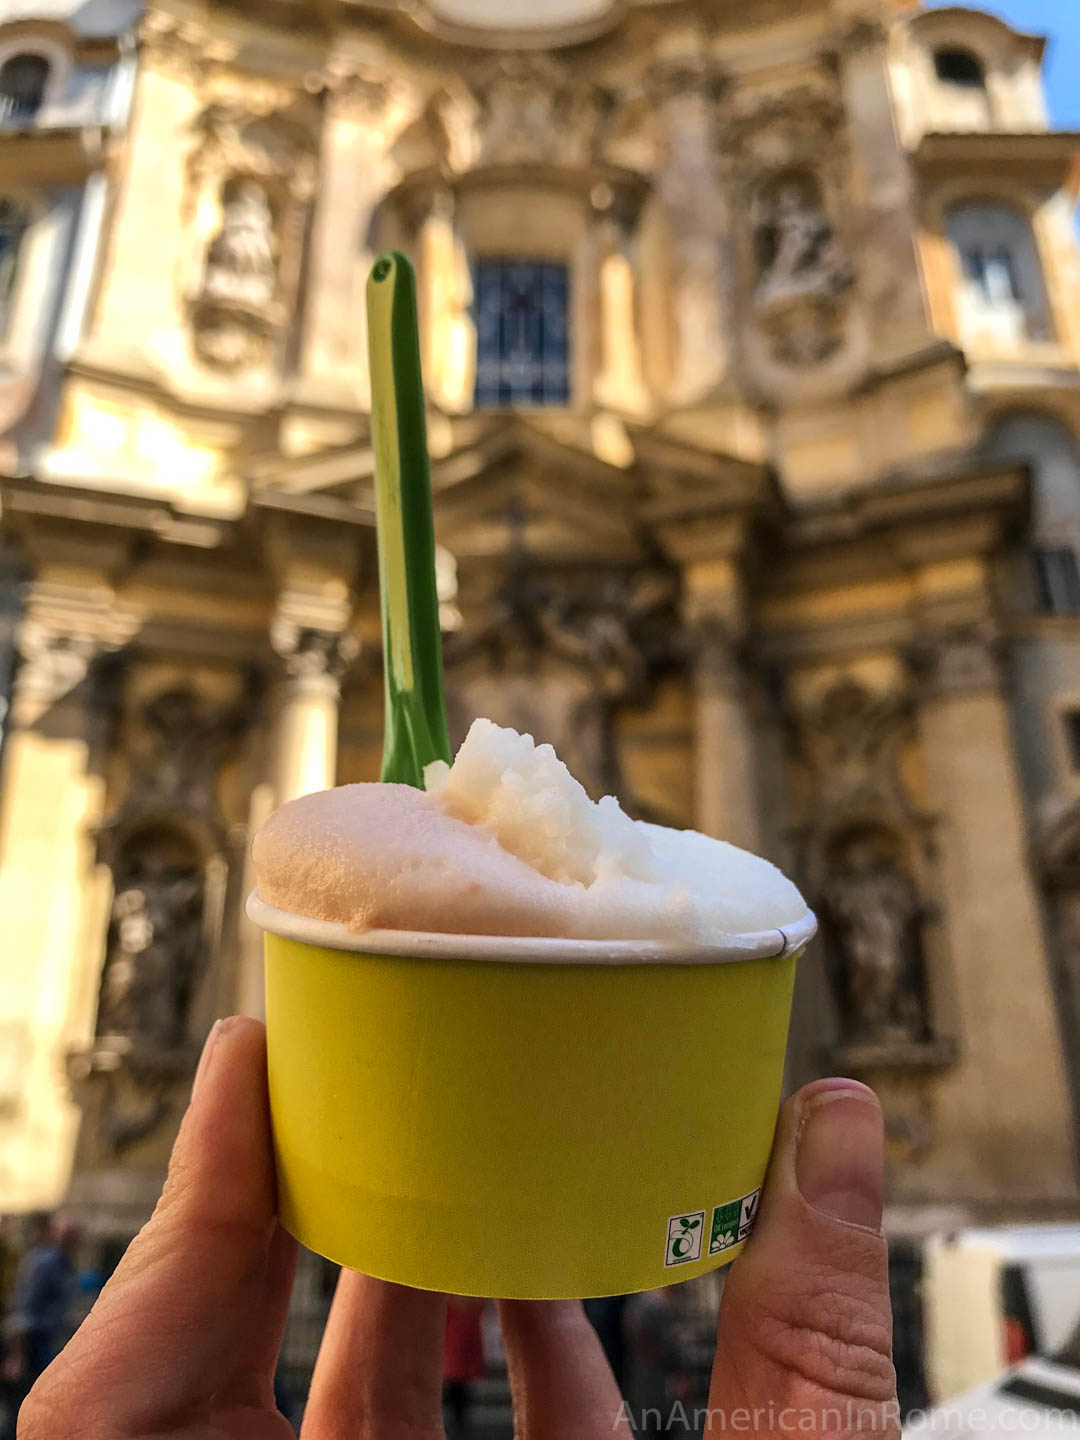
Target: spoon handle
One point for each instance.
(414, 730)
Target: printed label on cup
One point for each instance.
(732, 1223)
(684, 1236)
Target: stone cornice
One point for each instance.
(905, 504)
(56, 155)
(1050, 157)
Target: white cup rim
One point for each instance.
(536, 950)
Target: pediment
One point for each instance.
(502, 481)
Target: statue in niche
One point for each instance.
(155, 942)
(873, 911)
(241, 263)
(802, 271)
(798, 252)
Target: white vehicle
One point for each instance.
(1036, 1397)
(991, 1297)
(1001, 1310)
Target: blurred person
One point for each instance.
(463, 1358)
(183, 1341)
(39, 1320)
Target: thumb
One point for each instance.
(805, 1335)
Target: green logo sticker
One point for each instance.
(684, 1237)
(732, 1223)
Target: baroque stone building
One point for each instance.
(752, 344)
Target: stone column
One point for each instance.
(305, 742)
(303, 757)
(726, 775)
(1000, 1118)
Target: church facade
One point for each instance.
(751, 334)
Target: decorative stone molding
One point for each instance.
(961, 660)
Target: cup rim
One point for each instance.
(532, 949)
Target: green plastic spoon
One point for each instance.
(414, 730)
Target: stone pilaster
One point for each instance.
(726, 763)
(352, 178)
(695, 212)
(53, 895)
(1010, 1127)
(882, 196)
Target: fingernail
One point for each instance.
(207, 1052)
(839, 1156)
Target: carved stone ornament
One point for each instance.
(851, 740)
(535, 109)
(958, 660)
(597, 644)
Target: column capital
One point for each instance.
(63, 631)
(313, 659)
(963, 659)
(716, 650)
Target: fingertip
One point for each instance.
(830, 1085)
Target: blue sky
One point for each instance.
(1060, 19)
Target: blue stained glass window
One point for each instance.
(522, 332)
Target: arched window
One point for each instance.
(1050, 450)
(1002, 299)
(22, 88)
(961, 101)
(959, 67)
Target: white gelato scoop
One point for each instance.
(506, 842)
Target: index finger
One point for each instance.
(162, 1338)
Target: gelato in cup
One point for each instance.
(519, 1044)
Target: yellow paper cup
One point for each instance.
(523, 1118)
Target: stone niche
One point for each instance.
(867, 860)
(175, 865)
(786, 159)
(250, 180)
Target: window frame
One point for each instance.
(488, 387)
(1039, 319)
(977, 75)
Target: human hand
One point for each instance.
(183, 1341)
